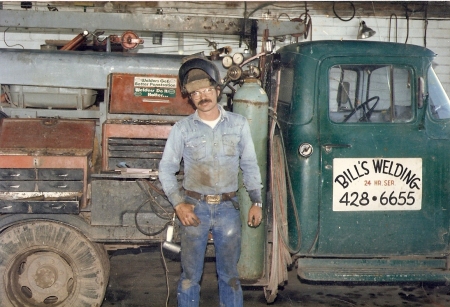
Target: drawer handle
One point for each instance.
(14, 186)
(63, 175)
(62, 186)
(14, 175)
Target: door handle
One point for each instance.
(329, 147)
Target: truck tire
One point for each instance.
(44, 263)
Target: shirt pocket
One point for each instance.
(196, 148)
(230, 144)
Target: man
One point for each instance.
(213, 144)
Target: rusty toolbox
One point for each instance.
(44, 165)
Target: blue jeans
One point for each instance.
(223, 220)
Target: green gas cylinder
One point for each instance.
(251, 101)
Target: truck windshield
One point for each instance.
(438, 99)
(370, 94)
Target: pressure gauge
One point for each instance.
(238, 58)
(255, 71)
(234, 73)
(227, 61)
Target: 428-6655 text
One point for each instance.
(364, 199)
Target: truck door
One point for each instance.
(384, 179)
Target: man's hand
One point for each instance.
(186, 215)
(254, 216)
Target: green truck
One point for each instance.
(365, 128)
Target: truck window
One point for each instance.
(287, 84)
(438, 99)
(370, 94)
(291, 97)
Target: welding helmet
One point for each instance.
(197, 73)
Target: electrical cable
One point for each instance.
(283, 14)
(279, 178)
(141, 230)
(154, 202)
(340, 18)
(166, 271)
(159, 191)
(308, 25)
(407, 22)
(186, 45)
(263, 5)
(307, 22)
(285, 6)
(396, 26)
(425, 25)
(4, 40)
(376, 19)
(252, 58)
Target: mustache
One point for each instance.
(206, 100)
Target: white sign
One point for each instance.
(377, 184)
(155, 82)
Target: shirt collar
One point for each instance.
(223, 114)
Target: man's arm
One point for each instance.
(168, 167)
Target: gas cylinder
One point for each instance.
(251, 101)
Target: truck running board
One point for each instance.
(373, 270)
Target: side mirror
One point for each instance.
(421, 93)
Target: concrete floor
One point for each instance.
(138, 279)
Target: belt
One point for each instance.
(211, 199)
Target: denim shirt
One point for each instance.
(211, 157)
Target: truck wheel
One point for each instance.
(45, 263)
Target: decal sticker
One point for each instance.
(377, 184)
(155, 87)
(155, 82)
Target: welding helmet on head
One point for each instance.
(197, 73)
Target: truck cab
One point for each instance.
(366, 134)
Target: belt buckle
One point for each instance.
(212, 199)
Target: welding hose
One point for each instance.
(151, 201)
(141, 230)
(279, 179)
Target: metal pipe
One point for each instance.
(76, 41)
